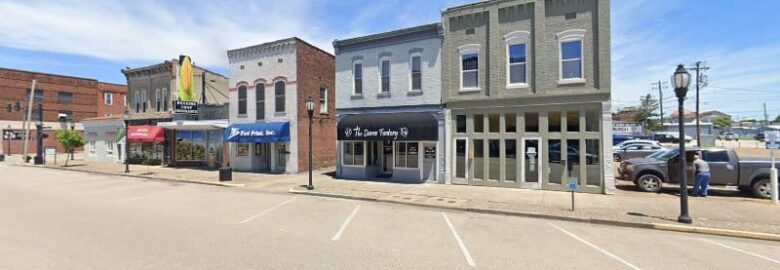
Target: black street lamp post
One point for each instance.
(310, 110)
(681, 80)
(127, 142)
(39, 141)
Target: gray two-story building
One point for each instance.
(388, 104)
(523, 81)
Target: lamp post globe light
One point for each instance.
(681, 80)
(126, 117)
(310, 110)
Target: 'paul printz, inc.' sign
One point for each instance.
(384, 133)
(250, 133)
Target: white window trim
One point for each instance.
(157, 100)
(362, 77)
(389, 74)
(567, 36)
(464, 50)
(406, 153)
(107, 100)
(324, 109)
(517, 38)
(411, 70)
(344, 144)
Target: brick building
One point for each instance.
(269, 84)
(65, 100)
(112, 99)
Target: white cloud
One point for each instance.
(150, 31)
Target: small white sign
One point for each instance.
(50, 151)
(772, 139)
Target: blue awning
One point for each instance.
(258, 132)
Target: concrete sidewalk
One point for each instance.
(728, 215)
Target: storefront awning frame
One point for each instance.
(261, 132)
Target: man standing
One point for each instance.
(702, 173)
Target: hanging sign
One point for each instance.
(185, 107)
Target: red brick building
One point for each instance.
(66, 100)
(112, 99)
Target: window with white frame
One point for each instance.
(260, 101)
(144, 100)
(384, 74)
(110, 146)
(353, 153)
(279, 91)
(469, 67)
(415, 65)
(165, 100)
(357, 76)
(108, 98)
(242, 100)
(323, 99)
(517, 58)
(137, 99)
(157, 100)
(242, 150)
(407, 155)
(571, 56)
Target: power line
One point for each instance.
(701, 81)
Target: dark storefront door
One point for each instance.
(387, 157)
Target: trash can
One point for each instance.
(2, 157)
(225, 174)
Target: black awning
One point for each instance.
(412, 126)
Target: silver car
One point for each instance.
(635, 149)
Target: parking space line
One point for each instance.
(267, 210)
(613, 256)
(460, 241)
(741, 251)
(346, 223)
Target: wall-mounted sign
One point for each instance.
(384, 133)
(388, 127)
(185, 107)
(430, 152)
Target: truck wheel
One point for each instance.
(762, 189)
(649, 183)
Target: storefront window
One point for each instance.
(460, 122)
(573, 121)
(554, 121)
(593, 163)
(242, 150)
(531, 122)
(510, 165)
(494, 159)
(592, 120)
(353, 153)
(479, 159)
(573, 162)
(510, 121)
(479, 123)
(555, 161)
(373, 157)
(494, 123)
(190, 145)
(284, 153)
(406, 154)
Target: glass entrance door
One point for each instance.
(387, 158)
(460, 162)
(531, 163)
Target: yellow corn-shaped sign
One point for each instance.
(186, 79)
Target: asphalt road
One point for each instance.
(53, 219)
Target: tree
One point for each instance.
(777, 119)
(69, 140)
(646, 115)
(722, 122)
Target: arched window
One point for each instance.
(144, 99)
(260, 101)
(242, 100)
(279, 94)
(571, 56)
(323, 99)
(137, 101)
(157, 100)
(165, 100)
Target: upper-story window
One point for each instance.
(157, 100)
(384, 73)
(242, 100)
(279, 93)
(516, 57)
(357, 76)
(137, 99)
(571, 56)
(469, 67)
(108, 98)
(323, 99)
(260, 101)
(165, 101)
(416, 72)
(144, 100)
(64, 97)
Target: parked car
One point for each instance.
(760, 137)
(670, 137)
(635, 149)
(728, 136)
(728, 169)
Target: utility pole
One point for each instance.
(660, 85)
(766, 116)
(701, 81)
(27, 121)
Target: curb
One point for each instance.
(655, 226)
(140, 176)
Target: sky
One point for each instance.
(95, 39)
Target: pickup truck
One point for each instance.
(726, 168)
